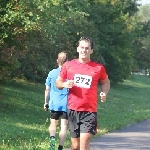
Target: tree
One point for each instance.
(142, 53)
(117, 26)
(16, 20)
(35, 32)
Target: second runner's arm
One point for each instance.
(47, 95)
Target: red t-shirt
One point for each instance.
(83, 95)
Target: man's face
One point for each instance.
(84, 49)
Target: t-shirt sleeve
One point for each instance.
(103, 74)
(48, 79)
(63, 72)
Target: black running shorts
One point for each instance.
(82, 122)
(57, 114)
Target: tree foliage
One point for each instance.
(142, 44)
(16, 21)
(34, 32)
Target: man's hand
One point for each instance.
(46, 106)
(69, 84)
(103, 97)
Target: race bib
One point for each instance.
(82, 80)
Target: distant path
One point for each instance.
(133, 137)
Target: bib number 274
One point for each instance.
(82, 80)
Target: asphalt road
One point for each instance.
(133, 137)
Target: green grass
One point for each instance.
(24, 123)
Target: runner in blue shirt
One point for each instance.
(56, 102)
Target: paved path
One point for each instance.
(133, 137)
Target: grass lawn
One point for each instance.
(24, 123)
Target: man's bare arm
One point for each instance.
(47, 92)
(60, 83)
(105, 87)
(47, 97)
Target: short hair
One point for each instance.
(87, 39)
(62, 60)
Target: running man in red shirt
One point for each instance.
(83, 76)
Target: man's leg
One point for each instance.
(73, 120)
(62, 133)
(52, 128)
(75, 143)
(54, 117)
(85, 142)
(87, 128)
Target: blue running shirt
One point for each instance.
(58, 98)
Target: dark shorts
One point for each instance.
(58, 114)
(82, 122)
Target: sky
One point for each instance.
(143, 2)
